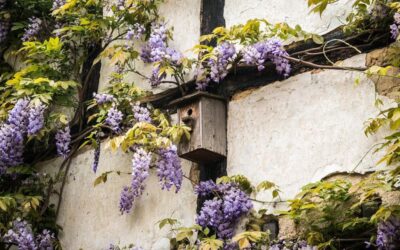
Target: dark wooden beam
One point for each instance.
(211, 15)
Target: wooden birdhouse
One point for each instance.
(206, 115)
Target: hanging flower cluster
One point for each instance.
(169, 169)
(25, 119)
(388, 235)
(33, 29)
(270, 50)
(22, 235)
(114, 119)
(135, 31)
(36, 118)
(140, 171)
(223, 212)
(224, 55)
(160, 153)
(394, 28)
(63, 141)
(57, 4)
(156, 50)
(169, 172)
(141, 114)
(103, 98)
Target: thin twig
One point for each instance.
(319, 66)
(66, 162)
(337, 40)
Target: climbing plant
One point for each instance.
(51, 53)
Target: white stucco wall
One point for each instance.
(291, 11)
(90, 215)
(300, 130)
(181, 15)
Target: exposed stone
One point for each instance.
(388, 85)
(390, 198)
(378, 57)
(287, 228)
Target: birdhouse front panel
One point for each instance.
(207, 118)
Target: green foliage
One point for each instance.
(242, 181)
(246, 239)
(255, 30)
(325, 209)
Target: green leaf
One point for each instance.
(317, 39)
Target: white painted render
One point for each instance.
(291, 11)
(301, 129)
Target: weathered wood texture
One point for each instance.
(207, 118)
(211, 16)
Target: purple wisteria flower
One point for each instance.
(114, 119)
(33, 29)
(157, 50)
(102, 98)
(135, 31)
(19, 115)
(120, 4)
(57, 4)
(169, 170)
(96, 154)
(11, 147)
(270, 50)
(202, 80)
(141, 114)
(202, 84)
(223, 212)
(156, 78)
(36, 118)
(173, 56)
(211, 213)
(45, 240)
(206, 188)
(225, 53)
(12, 135)
(388, 235)
(394, 28)
(126, 199)
(22, 235)
(394, 31)
(63, 141)
(140, 171)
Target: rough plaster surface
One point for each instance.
(90, 215)
(299, 130)
(291, 11)
(184, 17)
